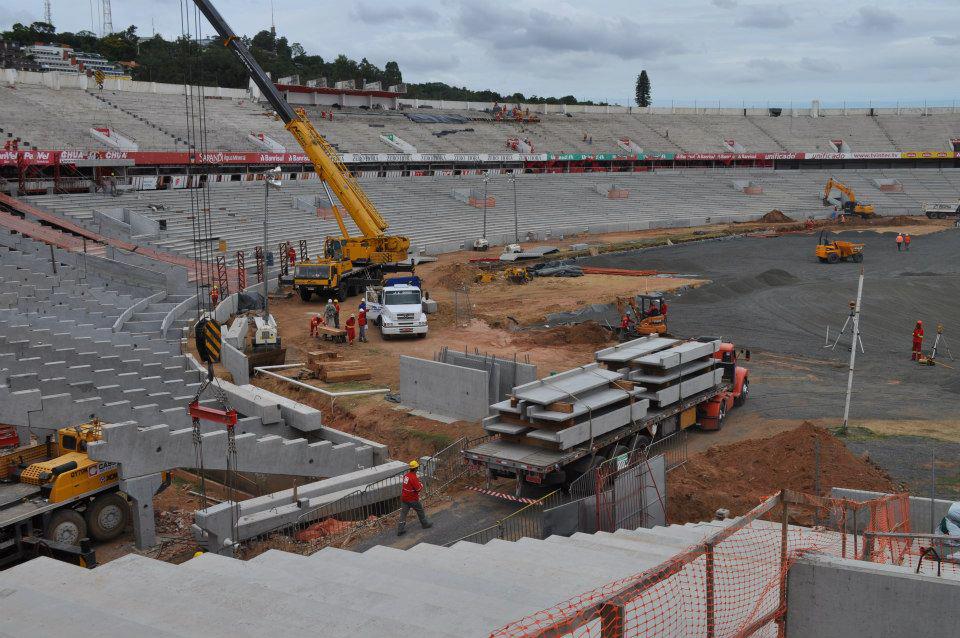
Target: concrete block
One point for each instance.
(295, 414)
(445, 389)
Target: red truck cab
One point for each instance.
(711, 413)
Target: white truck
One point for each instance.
(941, 210)
(397, 309)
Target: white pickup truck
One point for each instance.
(397, 309)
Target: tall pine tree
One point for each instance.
(643, 89)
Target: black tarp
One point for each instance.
(429, 118)
(247, 301)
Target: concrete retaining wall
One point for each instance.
(505, 374)
(444, 389)
(236, 364)
(833, 597)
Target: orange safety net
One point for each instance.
(732, 584)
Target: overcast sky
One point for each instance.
(709, 50)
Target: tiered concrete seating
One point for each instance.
(422, 208)
(472, 590)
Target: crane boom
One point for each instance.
(326, 161)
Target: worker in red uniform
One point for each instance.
(899, 242)
(917, 341)
(214, 295)
(315, 323)
(291, 255)
(362, 322)
(351, 327)
(906, 242)
(410, 499)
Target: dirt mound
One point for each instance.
(739, 476)
(454, 276)
(777, 277)
(902, 220)
(776, 217)
(588, 333)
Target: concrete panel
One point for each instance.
(837, 598)
(159, 448)
(445, 389)
(236, 363)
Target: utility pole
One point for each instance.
(47, 17)
(107, 18)
(486, 180)
(516, 227)
(853, 353)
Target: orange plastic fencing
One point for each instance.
(731, 584)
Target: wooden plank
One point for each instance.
(347, 375)
(560, 406)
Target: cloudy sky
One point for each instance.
(706, 50)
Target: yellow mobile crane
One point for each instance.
(349, 262)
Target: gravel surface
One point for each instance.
(773, 296)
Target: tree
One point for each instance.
(391, 74)
(643, 89)
(264, 40)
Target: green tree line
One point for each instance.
(184, 60)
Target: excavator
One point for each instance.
(645, 314)
(850, 205)
(350, 262)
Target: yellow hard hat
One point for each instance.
(414, 465)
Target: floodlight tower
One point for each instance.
(107, 24)
(46, 12)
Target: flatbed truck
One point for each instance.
(535, 465)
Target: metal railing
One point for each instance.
(673, 448)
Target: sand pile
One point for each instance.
(776, 217)
(588, 333)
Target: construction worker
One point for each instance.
(917, 341)
(899, 242)
(214, 295)
(906, 242)
(351, 327)
(315, 323)
(336, 317)
(362, 322)
(291, 255)
(329, 312)
(410, 499)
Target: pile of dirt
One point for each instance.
(454, 276)
(588, 333)
(900, 220)
(776, 217)
(739, 476)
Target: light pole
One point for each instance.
(269, 181)
(486, 180)
(516, 227)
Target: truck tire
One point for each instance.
(941, 215)
(858, 257)
(422, 335)
(744, 393)
(305, 294)
(66, 526)
(342, 293)
(107, 517)
(833, 258)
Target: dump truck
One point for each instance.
(831, 251)
(54, 498)
(942, 210)
(530, 462)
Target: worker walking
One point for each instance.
(899, 242)
(329, 312)
(362, 323)
(214, 295)
(351, 327)
(917, 341)
(906, 242)
(336, 316)
(410, 499)
(315, 323)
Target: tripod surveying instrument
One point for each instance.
(937, 342)
(853, 327)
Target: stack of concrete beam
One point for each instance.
(670, 370)
(470, 590)
(220, 527)
(567, 409)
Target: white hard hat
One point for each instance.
(329, 300)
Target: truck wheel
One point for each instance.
(342, 293)
(744, 393)
(107, 517)
(305, 294)
(67, 527)
(422, 335)
(833, 258)
(858, 257)
(941, 215)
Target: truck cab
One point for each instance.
(397, 309)
(321, 277)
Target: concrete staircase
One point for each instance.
(462, 590)
(148, 321)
